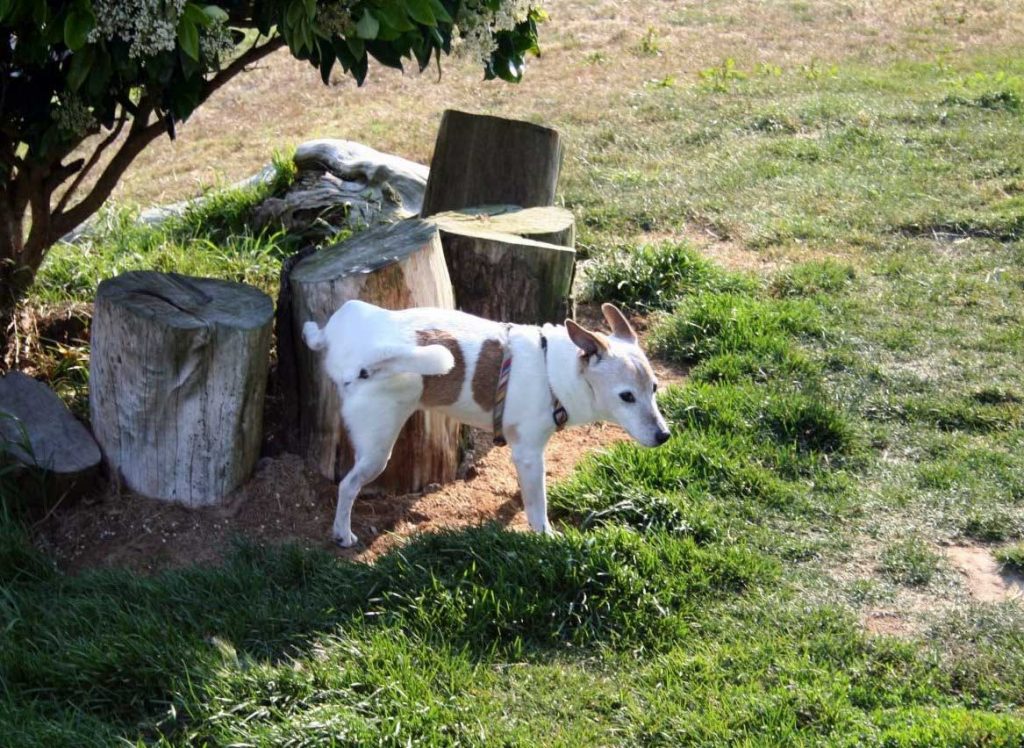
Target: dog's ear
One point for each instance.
(617, 321)
(590, 344)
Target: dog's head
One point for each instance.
(622, 379)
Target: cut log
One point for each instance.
(506, 277)
(395, 267)
(549, 225)
(177, 374)
(39, 433)
(483, 160)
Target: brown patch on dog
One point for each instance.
(485, 377)
(442, 389)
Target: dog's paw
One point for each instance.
(343, 542)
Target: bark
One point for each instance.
(396, 267)
(484, 160)
(506, 277)
(177, 379)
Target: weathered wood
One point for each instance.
(484, 160)
(396, 267)
(177, 376)
(342, 183)
(506, 277)
(39, 433)
(548, 224)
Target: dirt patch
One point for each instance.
(887, 623)
(286, 502)
(985, 578)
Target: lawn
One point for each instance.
(822, 221)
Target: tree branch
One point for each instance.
(252, 55)
(138, 138)
(93, 159)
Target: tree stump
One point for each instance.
(177, 373)
(549, 225)
(507, 277)
(39, 434)
(396, 267)
(483, 160)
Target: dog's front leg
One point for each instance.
(529, 461)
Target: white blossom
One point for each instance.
(148, 26)
(215, 45)
(476, 25)
(72, 115)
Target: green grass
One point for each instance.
(842, 418)
(211, 239)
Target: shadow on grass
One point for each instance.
(122, 649)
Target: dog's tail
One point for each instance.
(427, 360)
(314, 336)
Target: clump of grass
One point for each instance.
(909, 562)
(655, 276)
(1012, 557)
(828, 277)
(992, 524)
(717, 323)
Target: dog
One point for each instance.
(522, 382)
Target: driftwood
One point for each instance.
(344, 184)
(484, 160)
(396, 267)
(507, 277)
(178, 374)
(39, 433)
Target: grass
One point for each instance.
(849, 410)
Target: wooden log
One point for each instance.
(177, 376)
(395, 267)
(484, 160)
(548, 224)
(39, 435)
(506, 277)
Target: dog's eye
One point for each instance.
(655, 387)
(364, 374)
(627, 397)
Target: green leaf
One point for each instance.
(5, 8)
(440, 12)
(216, 13)
(196, 15)
(367, 26)
(421, 12)
(78, 71)
(356, 47)
(188, 38)
(394, 17)
(77, 25)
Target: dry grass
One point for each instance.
(594, 56)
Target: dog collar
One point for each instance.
(558, 412)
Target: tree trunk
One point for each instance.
(506, 277)
(549, 225)
(483, 160)
(396, 267)
(177, 378)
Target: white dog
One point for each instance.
(520, 381)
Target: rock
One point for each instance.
(38, 432)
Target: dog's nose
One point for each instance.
(662, 436)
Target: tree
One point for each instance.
(80, 78)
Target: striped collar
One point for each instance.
(558, 412)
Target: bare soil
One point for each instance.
(983, 575)
(285, 501)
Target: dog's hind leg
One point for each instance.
(372, 430)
